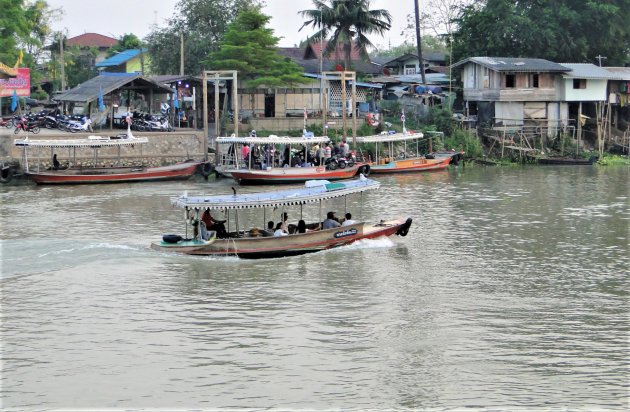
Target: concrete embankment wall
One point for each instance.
(162, 149)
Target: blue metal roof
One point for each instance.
(120, 58)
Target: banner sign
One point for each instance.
(21, 84)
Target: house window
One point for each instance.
(534, 81)
(579, 83)
(410, 70)
(510, 81)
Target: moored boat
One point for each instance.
(82, 175)
(396, 159)
(266, 164)
(246, 242)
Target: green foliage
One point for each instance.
(78, 64)
(548, 29)
(126, 42)
(466, 141)
(389, 107)
(13, 27)
(612, 160)
(250, 47)
(347, 21)
(442, 118)
(203, 23)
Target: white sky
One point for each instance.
(117, 17)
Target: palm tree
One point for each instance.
(348, 20)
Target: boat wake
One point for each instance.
(378, 243)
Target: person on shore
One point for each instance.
(330, 221)
(349, 221)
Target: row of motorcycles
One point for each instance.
(33, 122)
(144, 122)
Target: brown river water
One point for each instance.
(509, 293)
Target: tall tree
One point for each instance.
(125, 42)
(349, 21)
(549, 29)
(250, 47)
(203, 23)
(13, 27)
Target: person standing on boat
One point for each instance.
(55, 162)
(327, 151)
(345, 148)
(245, 153)
(284, 224)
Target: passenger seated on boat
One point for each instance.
(330, 221)
(301, 226)
(254, 232)
(279, 231)
(349, 221)
(205, 233)
(269, 231)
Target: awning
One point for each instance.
(313, 191)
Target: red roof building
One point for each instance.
(92, 40)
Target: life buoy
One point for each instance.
(171, 238)
(207, 169)
(404, 229)
(6, 175)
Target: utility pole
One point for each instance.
(419, 42)
(600, 58)
(61, 62)
(181, 53)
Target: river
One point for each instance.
(510, 292)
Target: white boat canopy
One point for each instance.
(386, 138)
(313, 191)
(90, 141)
(273, 139)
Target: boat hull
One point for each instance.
(180, 171)
(270, 247)
(411, 165)
(292, 174)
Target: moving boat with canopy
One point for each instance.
(248, 242)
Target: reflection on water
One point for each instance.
(510, 292)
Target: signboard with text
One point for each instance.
(21, 84)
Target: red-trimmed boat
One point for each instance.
(398, 154)
(83, 175)
(247, 242)
(268, 170)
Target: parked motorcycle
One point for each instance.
(27, 126)
(8, 123)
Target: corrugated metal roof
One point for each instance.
(515, 64)
(619, 73)
(107, 82)
(586, 71)
(120, 58)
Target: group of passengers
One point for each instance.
(208, 223)
(269, 156)
(283, 229)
